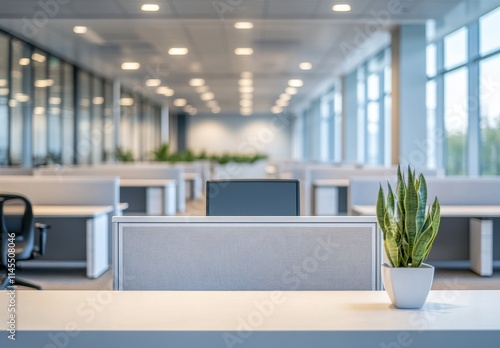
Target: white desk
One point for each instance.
(480, 235)
(325, 196)
(252, 319)
(194, 185)
(160, 194)
(65, 216)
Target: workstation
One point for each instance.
(207, 173)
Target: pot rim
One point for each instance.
(423, 265)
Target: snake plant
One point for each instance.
(408, 230)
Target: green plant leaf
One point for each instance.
(422, 203)
(411, 208)
(381, 209)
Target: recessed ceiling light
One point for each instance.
(130, 66)
(126, 101)
(212, 103)
(193, 111)
(291, 90)
(246, 89)
(295, 83)
(246, 96)
(98, 100)
(12, 103)
(245, 82)
(285, 96)
(79, 29)
(38, 57)
(187, 108)
(153, 82)
(246, 111)
(341, 8)
(282, 103)
(216, 109)
(44, 83)
(305, 66)
(196, 82)
(150, 7)
(276, 109)
(207, 96)
(246, 75)
(201, 89)
(4, 91)
(169, 92)
(54, 100)
(39, 110)
(243, 25)
(3, 82)
(246, 103)
(180, 102)
(24, 61)
(178, 51)
(243, 51)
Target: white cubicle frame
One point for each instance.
(121, 222)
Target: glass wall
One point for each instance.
(54, 112)
(4, 100)
(40, 108)
(20, 104)
(55, 130)
(68, 115)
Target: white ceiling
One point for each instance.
(286, 32)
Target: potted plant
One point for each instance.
(409, 230)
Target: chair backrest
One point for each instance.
(24, 235)
(269, 197)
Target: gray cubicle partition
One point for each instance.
(453, 246)
(127, 171)
(246, 253)
(66, 191)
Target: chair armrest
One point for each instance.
(42, 228)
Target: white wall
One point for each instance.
(270, 134)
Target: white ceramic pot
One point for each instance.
(408, 287)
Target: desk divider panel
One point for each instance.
(246, 253)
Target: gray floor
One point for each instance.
(444, 279)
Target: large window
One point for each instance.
(489, 27)
(463, 96)
(490, 115)
(4, 100)
(374, 109)
(456, 120)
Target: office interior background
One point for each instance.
(386, 82)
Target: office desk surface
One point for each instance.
(46, 211)
(331, 183)
(483, 211)
(224, 311)
(146, 182)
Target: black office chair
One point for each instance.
(24, 240)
